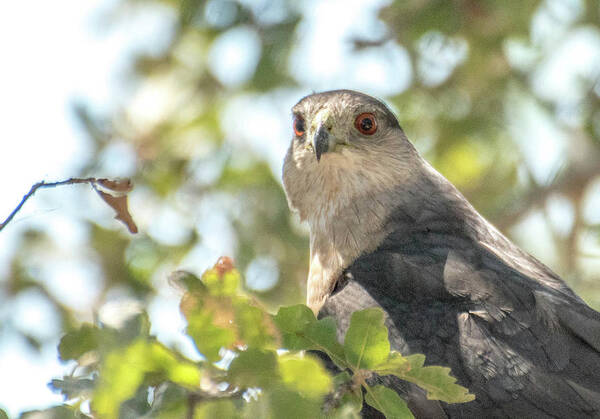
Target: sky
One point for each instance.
(54, 53)
(61, 54)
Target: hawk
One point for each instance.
(387, 230)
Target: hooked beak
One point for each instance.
(320, 141)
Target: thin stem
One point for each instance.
(43, 184)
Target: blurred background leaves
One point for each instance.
(503, 97)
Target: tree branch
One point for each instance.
(118, 203)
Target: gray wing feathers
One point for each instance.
(526, 340)
(524, 349)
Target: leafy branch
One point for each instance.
(366, 351)
(255, 364)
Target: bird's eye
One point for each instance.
(298, 126)
(366, 123)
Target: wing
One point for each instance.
(525, 347)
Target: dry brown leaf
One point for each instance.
(119, 204)
(117, 185)
(224, 264)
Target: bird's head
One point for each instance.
(344, 143)
(329, 124)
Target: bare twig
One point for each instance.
(118, 203)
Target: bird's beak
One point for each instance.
(320, 141)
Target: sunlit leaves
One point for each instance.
(301, 330)
(208, 337)
(225, 284)
(366, 344)
(254, 326)
(218, 317)
(128, 373)
(366, 347)
(305, 375)
(293, 320)
(394, 364)
(438, 382)
(123, 371)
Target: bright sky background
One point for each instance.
(52, 54)
(49, 56)
(61, 51)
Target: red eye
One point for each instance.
(298, 126)
(366, 123)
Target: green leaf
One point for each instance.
(3, 414)
(437, 381)
(416, 360)
(251, 324)
(302, 331)
(305, 375)
(323, 337)
(254, 368)
(162, 360)
(74, 344)
(209, 339)
(89, 337)
(124, 370)
(387, 402)
(226, 284)
(186, 281)
(293, 319)
(222, 409)
(285, 403)
(395, 364)
(366, 344)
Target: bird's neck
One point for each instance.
(347, 218)
(336, 242)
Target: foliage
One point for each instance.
(254, 363)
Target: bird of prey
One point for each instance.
(387, 230)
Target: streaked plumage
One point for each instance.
(387, 230)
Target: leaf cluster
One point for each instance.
(254, 364)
